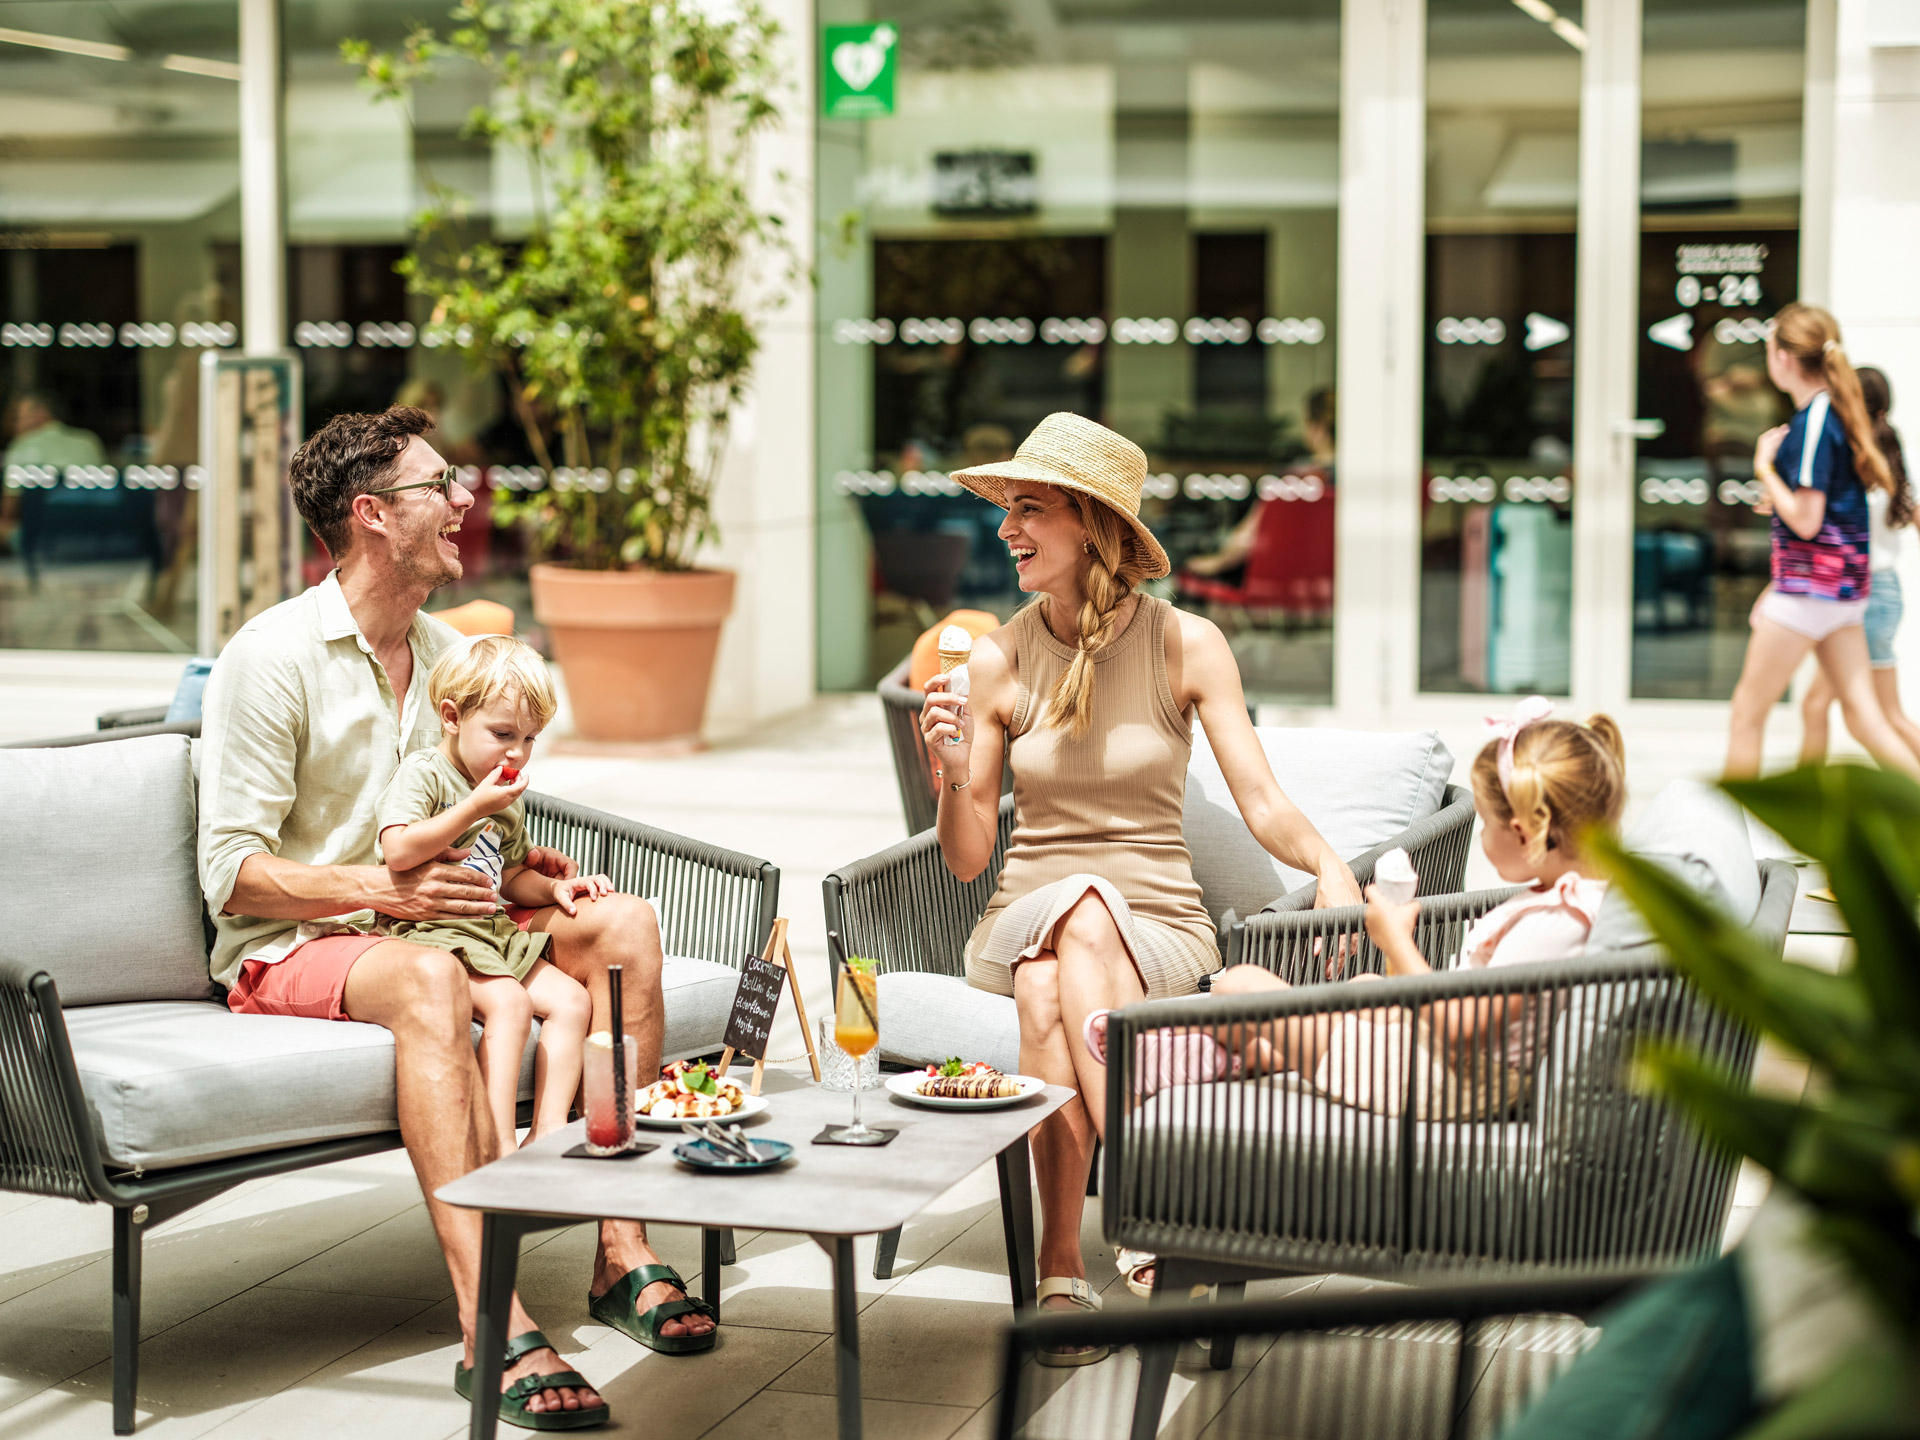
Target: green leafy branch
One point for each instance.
(1851, 1145)
(618, 324)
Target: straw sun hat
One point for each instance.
(1073, 453)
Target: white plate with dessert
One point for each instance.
(693, 1092)
(963, 1085)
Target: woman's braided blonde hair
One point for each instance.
(1115, 565)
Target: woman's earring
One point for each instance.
(1087, 545)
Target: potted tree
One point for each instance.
(618, 323)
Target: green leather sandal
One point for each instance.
(513, 1399)
(615, 1308)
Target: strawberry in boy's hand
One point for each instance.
(509, 774)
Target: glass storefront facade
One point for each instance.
(120, 248)
(119, 237)
(1125, 211)
(1131, 210)
(1719, 253)
(1495, 490)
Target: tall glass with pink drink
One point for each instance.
(609, 1125)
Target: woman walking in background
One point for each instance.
(1815, 471)
(1890, 518)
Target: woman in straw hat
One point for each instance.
(1095, 687)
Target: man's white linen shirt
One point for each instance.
(300, 733)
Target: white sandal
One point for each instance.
(1131, 1263)
(1081, 1295)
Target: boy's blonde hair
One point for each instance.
(1567, 778)
(489, 668)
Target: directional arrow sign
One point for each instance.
(1675, 332)
(1544, 330)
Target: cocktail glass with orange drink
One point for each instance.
(856, 1030)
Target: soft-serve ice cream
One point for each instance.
(956, 649)
(1394, 877)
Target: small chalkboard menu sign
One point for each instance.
(753, 1005)
(763, 978)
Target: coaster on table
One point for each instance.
(580, 1152)
(826, 1137)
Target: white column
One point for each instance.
(1816, 155)
(1383, 86)
(1874, 288)
(764, 499)
(1606, 341)
(263, 237)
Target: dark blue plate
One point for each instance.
(705, 1155)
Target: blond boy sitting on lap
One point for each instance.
(494, 698)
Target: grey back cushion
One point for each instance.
(1357, 787)
(102, 857)
(1700, 835)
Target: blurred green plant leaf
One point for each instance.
(1863, 827)
(1870, 1396)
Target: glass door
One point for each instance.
(1496, 484)
(1720, 184)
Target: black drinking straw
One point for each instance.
(839, 953)
(621, 1122)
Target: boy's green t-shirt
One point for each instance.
(428, 783)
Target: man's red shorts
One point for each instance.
(312, 981)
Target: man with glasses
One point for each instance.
(308, 712)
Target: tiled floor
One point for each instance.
(317, 1305)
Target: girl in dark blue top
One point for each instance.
(1815, 471)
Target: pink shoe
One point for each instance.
(1164, 1058)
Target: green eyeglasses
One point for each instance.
(448, 479)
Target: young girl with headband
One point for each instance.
(1816, 471)
(1540, 787)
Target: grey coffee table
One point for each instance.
(830, 1192)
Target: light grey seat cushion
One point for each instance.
(926, 1018)
(179, 1082)
(100, 842)
(1273, 1158)
(699, 997)
(1357, 787)
(1700, 835)
(183, 1082)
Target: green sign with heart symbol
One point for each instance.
(859, 69)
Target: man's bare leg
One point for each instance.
(621, 930)
(421, 995)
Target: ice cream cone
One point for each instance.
(956, 649)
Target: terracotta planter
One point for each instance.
(637, 646)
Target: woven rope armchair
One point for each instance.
(1552, 1162)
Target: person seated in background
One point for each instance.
(37, 437)
(1229, 562)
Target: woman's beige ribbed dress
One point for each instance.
(1101, 813)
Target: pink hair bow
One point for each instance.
(1529, 711)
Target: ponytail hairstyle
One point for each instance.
(1566, 779)
(1879, 397)
(1115, 564)
(1812, 337)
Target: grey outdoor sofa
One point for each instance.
(125, 1080)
